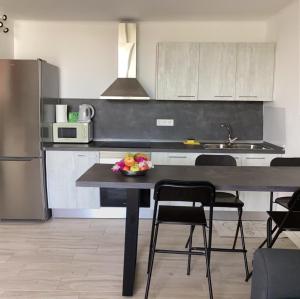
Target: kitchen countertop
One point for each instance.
(159, 146)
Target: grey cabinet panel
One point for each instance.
(86, 197)
(177, 71)
(255, 71)
(59, 168)
(63, 169)
(217, 71)
(256, 201)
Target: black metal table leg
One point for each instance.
(131, 240)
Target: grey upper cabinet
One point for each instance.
(217, 71)
(255, 71)
(177, 71)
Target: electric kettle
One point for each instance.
(86, 113)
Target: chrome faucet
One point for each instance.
(227, 126)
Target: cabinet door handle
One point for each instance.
(248, 96)
(178, 157)
(257, 158)
(12, 159)
(223, 96)
(186, 96)
(81, 155)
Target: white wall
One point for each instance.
(86, 52)
(7, 42)
(282, 117)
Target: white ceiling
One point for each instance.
(141, 10)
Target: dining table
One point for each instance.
(224, 178)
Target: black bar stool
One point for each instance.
(282, 201)
(284, 220)
(182, 191)
(283, 162)
(223, 200)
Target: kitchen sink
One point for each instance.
(246, 146)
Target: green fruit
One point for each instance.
(134, 168)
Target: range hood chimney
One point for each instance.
(126, 86)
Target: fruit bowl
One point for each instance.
(133, 165)
(134, 173)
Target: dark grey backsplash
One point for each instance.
(137, 119)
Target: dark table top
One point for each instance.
(246, 178)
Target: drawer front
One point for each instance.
(174, 158)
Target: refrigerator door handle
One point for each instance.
(16, 158)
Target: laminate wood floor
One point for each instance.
(83, 259)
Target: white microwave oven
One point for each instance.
(81, 132)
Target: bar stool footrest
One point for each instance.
(186, 252)
(220, 249)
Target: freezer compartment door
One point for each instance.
(19, 108)
(22, 193)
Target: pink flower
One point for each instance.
(121, 164)
(116, 168)
(139, 159)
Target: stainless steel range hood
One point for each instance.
(126, 86)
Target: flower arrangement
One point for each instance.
(133, 163)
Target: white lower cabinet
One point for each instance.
(256, 201)
(63, 169)
(183, 158)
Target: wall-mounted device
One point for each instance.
(165, 122)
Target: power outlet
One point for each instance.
(165, 122)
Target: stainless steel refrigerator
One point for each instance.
(29, 90)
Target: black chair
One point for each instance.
(223, 200)
(283, 162)
(182, 191)
(284, 221)
(284, 200)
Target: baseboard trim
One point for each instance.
(119, 213)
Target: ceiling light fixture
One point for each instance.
(4, 28)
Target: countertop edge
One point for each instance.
(189, 149)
